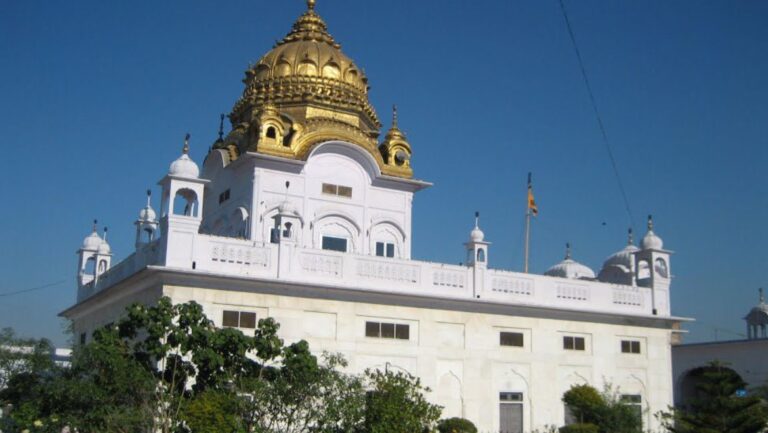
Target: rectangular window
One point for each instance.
(82, 338)
(337, 190)
(514, 339)
(511, 412)
(385, 249)
(238, 319)
(630, 346)
(573, 343)
(635, 401)
(334, 244)
(395, 331)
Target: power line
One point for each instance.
(44, 286)
(597, 115)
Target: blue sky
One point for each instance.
(95, 98)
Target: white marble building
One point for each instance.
(301, 214)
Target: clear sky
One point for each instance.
(95, 99)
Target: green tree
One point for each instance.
(600, 412)
(396, 404)
(716, 408)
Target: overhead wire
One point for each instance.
(32, 289)
(599, 118)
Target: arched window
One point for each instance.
(102, 266)
(481, 255)
(90, 266)
(149, 234)
(643, 270)
(271, 132)
(185, 203)
(661, 268)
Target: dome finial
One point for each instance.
(567, 251)
(149, 197)
(105, 233)
(95, 222)
(311, 5)
(221, 127)
(185, 149)
(477, 219)
(762, 297)
(650, 222)
(630, 237)
(394, 116)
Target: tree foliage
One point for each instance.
(600, 412)
(716, 408)
(456, 425)
(166, 368)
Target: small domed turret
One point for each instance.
(757, 319)
(92, 241)
(184, 166)
(476, 235)
(570, 268)
(650, 240)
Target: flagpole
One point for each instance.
(527, 236)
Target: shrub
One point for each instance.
(579, 428)
(456, 425)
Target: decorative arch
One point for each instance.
(336, 224)
(331, 70)
(448, 386)
(364, 158)
(387, 231)
(185, 202)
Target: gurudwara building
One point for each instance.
(302, 212)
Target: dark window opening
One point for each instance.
(339, 190)
(385, 249)
(334, 244)
(224, 196)
(238, 319)
(573, 343)
(630, 346)
(397, 331)
(514, 339)
(271, 132)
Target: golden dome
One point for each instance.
(302, 92)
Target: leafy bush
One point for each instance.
(579, 428)
(456, 425)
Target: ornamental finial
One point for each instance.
(477, 219)
(221, 127)
(311, 5)
(95, 222)
(567, 251)
(149, 197)
(630, 237)
(105, 233)
(394, 116)
(185, 149)
(650, 223)
(762, 297)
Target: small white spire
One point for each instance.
(567, 251)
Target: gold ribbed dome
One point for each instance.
(303, 92)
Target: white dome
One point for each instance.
(184, 167)
(570, 268)
(91, 242)
(623, 258)
(650, 240)
(104, 248)
(147, 214)
(476, 235)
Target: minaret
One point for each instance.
(653, 269)
(477, 254)
(181, 209)
(147, 224)
(87, 257)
